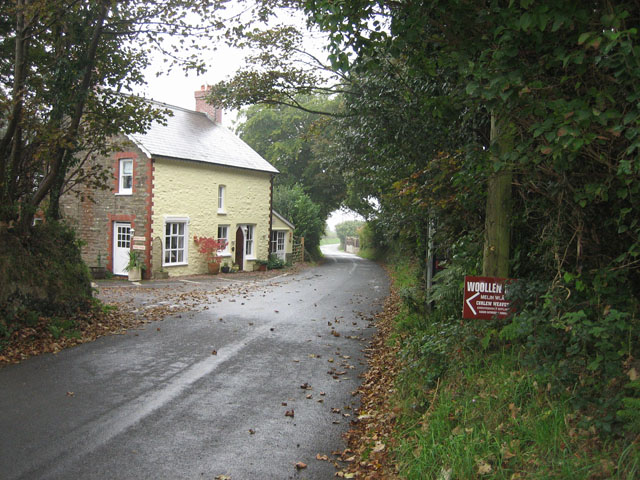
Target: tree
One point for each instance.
(299, 144)
(296, 206)
(64, 64)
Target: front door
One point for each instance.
(277, 244)
(240, 248)
(121, 246)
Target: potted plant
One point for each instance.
(260, 266)
(226, 268)
(134, 266)
(211, 247)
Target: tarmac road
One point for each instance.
(203, 393)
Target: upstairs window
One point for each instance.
(125, 182)
(221, 199)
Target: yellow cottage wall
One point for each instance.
(190, 189)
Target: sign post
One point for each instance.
(484, 298)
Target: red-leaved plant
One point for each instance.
(210, 247)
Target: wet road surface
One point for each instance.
(203, 393)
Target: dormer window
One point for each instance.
(125, 183)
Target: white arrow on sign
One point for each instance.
(469, 302)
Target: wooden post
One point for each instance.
(498, 209)
(302, 247)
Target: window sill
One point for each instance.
(169, 265)
(123, 194)
(221, 212)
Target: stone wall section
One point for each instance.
(93, 212)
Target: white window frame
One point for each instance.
(226, 251)
(222, 190)
(122, 190)
(276, 237)
(185, 244)
(249, 242)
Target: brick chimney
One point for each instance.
(202, 106)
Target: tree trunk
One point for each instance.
(498, 210)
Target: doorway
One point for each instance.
(240, 248)
(121, 247)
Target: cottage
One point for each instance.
(189, 177)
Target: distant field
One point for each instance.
(329, 240)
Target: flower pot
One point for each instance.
(225, 269)
(214, 268)
(135, 274)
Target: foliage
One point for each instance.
(46, 276)
(136, 261)
(275, 262)
(347, 229)
(65, 64)
(210, 248)
(293, 203)
(299, 144)
(462, 414)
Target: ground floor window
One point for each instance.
(223, 234)
(175, 242)
(248, 241)
(277, 241)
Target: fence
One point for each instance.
(297, 254)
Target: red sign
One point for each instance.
(484, 297)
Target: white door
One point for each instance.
(278, 244)
(121, 246)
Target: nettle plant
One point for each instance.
(211, 247)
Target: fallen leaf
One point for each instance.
(214, 352)
(321, 457)
(70, 394)
(223, 477)
(289, 413)
(252, 431)
(483, 467)
(301, 465)
(378, 447)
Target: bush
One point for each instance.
(41, 274)
(275, 262)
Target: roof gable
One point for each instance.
(190, 135)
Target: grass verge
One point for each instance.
(465, 408)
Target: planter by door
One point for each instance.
(214, 268)
(135, 275)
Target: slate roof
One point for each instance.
(190, 135)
